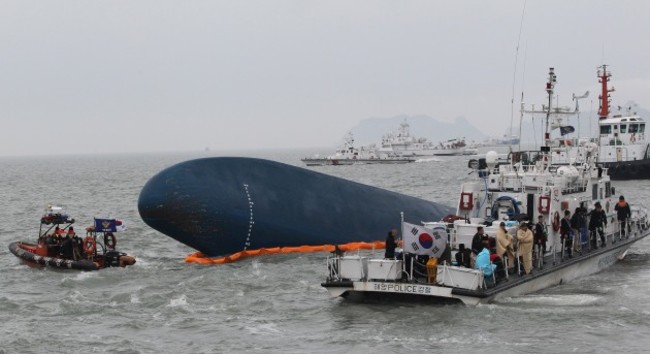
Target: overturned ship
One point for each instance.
(224, 205)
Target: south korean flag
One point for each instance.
(424, 241)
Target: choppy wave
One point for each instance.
(273, 304)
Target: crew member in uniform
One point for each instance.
(596, 222)
(391, 244)
(565, 232)
(623, 213)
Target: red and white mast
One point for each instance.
(605, 100)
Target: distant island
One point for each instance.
(371, 130)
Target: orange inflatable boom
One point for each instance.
(200, 258)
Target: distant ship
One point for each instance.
(512, 140)
(623, 147)
(454, 147)
(224, 205)
(348, 154)
(402, 143)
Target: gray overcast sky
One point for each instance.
(130, 76)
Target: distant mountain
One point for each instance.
(371, 130)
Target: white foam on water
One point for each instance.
(263, 328)
(430, 159)
(555, 300)
(75, 297)
(178, 302)
(83, 276)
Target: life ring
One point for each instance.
(110, 241)
(556, 221)
(89, 245)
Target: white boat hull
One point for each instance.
(551, 275)
(565, 274)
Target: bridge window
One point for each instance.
(605, 129)
(623, 128)
(634, 128)
(641, 128)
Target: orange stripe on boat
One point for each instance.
(198, 257)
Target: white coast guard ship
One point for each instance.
(510, 191)
(402, 143)
(348, 154)
(624, 149)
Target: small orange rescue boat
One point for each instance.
(59, 246)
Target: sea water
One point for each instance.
(274, 303)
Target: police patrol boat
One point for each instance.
(348, 154)
(59, 246)
(529, 186)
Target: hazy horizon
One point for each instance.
(154, 76)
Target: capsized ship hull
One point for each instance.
(224, 205)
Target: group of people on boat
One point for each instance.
(573, 228)
(528, 244)
(498, 253)
(64, 244)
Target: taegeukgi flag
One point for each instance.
(424, 241)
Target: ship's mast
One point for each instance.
(550, 87)
(549, 110)
(603, 78)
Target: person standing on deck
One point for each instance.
(525, 246)
(596, 222)
(541, 234)
(623, 213)
(504, 245)
(577, 222)
(565, 232)
(391, 244)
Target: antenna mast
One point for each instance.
(577, 99)
(605, 100)
(550, 87)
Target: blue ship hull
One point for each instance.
(224, 205)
